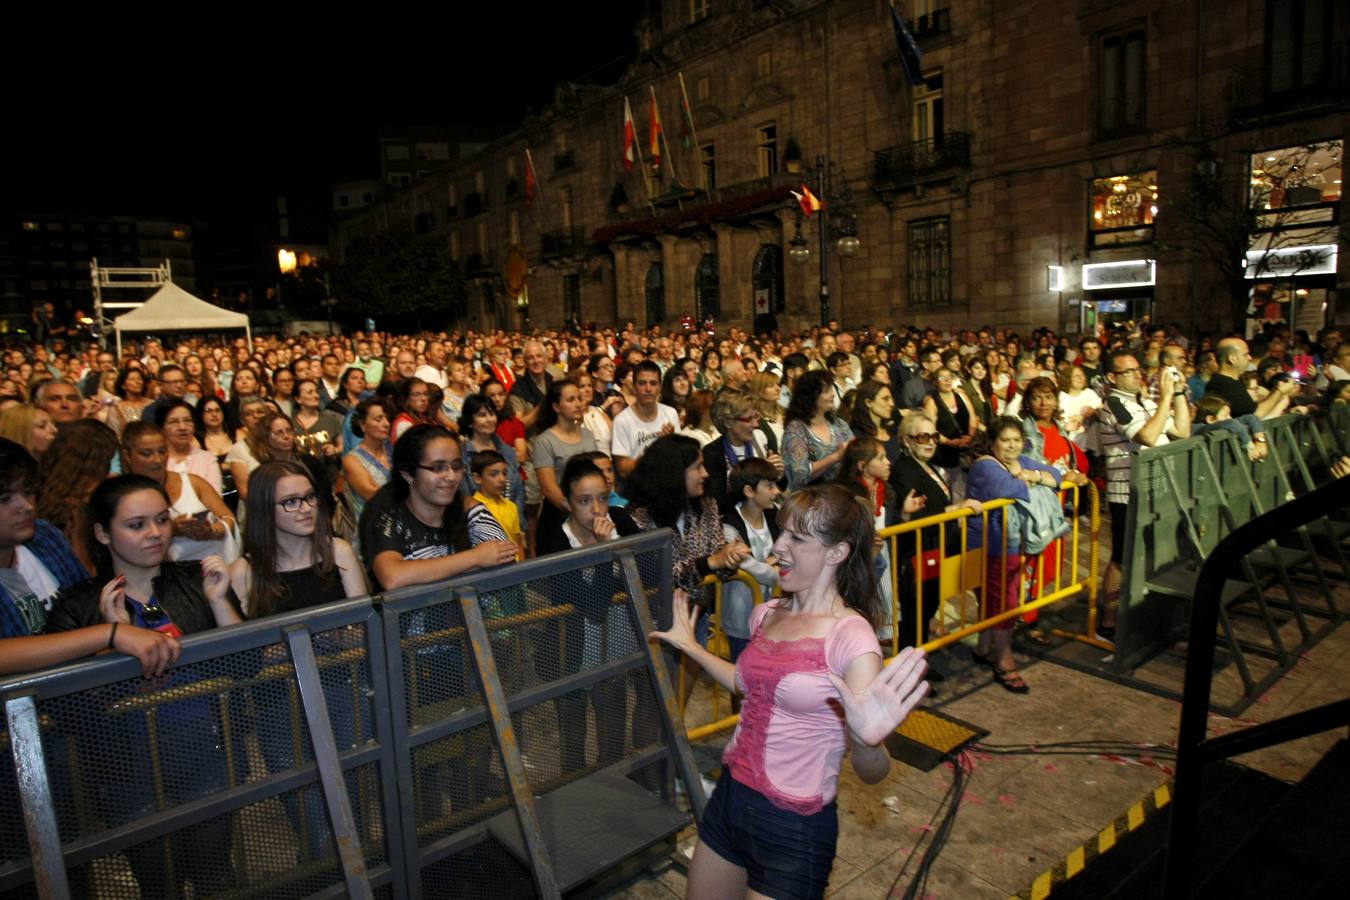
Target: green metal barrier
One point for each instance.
(1187, 496)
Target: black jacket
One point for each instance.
(907, 475)
(178, 590)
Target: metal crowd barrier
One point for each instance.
(1185, 497)
(505, 734)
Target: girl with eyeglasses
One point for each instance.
(418, 528)
(291, 558)
(138, 585)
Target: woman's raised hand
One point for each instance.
(878, 709)
(684, 616)
(112, 601)
(913, 502)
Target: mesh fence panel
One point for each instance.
(254, 852)
(485, 871)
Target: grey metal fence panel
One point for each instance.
(570, 658)
(207, 776)
(230, 773)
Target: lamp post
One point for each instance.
(837, 196)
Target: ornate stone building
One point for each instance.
(1059, 162)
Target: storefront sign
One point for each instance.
(1286, 262)
(1127, 274)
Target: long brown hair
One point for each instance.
(265, 587)
(72, 467)
(256, 439)
(834, 514)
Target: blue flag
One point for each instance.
(910, 57)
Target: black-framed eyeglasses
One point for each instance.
(926, 437)
(292, 504)
(443, 468)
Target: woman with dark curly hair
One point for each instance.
(130, 388)
(665, 490)
(77, 461)
(814, 437)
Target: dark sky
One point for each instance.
(194, 120)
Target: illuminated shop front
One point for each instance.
(1295, 195)
(1116, 290)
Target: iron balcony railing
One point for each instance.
(898, 165)
(933, 24)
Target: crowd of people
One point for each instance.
(189, 485)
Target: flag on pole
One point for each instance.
(808, 201)
(531, 182)
(911, 60)
(686, 117)
(629, 136)
(655, 131)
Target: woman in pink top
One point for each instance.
(813, 685)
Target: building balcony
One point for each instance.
(475, 203)
(562, 242)
(911, 164)
(935, 24)
(564, 161)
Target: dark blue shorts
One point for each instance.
(785, 855)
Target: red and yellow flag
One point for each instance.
(655, 132)
(808, 200)
(531, 182)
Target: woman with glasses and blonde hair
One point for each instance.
(917, 481)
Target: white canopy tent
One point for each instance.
(173, 309)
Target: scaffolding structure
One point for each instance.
(147, 280)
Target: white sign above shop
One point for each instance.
(1286, 262)
(1126, 274)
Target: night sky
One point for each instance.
(194, 122)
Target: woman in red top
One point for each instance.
(1046, 442)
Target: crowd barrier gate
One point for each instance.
(1188, 495)
(437, 740)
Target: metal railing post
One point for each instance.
(35, 797)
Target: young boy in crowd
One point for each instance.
(606, 466)
(489, 470)
(1213, 413)
(752, 520)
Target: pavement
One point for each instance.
(1021, 813)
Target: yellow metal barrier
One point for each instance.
(720, 646)
(960, 573)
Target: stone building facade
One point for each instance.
(1043, 141)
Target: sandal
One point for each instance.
(1011, 680)
(1034, 635)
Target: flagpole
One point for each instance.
(688, 113)
(637, 146)
(532, 171)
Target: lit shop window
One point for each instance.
(1123, 209)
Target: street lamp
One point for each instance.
(288, 262)
(837, 196)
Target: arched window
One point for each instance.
(656, 294)
(707, 292)
(766, 279)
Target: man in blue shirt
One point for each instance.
(36, 565)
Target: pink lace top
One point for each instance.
(791, 739)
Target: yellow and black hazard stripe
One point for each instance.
(1101, 843)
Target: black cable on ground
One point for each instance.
(947, 809)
